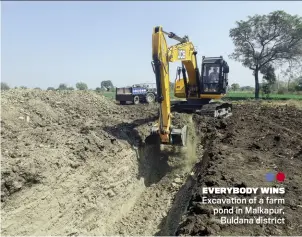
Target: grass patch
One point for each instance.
(249, 95)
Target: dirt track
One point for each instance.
(75, 164)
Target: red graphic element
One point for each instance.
(280, 176)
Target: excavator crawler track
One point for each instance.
(216, 110)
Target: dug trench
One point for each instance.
(165, 169)
(76, 164)
(203, 137)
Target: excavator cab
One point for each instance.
(214, 76)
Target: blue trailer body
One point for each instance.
(135, 94)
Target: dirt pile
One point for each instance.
(43, 131)
(68, 163)
(75, 163)
(257, 139)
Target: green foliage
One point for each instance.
(51, 89)
(172, 86)
(299, 84)
(268, 72)
(247, 88)
(235, 86)
(81, 86)
(23, 87)
(70, 88)
(98, 89)
(281, 91)
(107, 85)
(62, 86)
(266, 89)
(269, 79)
(4, 86)
(267, 39)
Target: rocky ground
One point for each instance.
(75, 163)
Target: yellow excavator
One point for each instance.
(196, 89)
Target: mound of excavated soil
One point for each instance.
(68, 163)
(75, 163)
(257, 139)
(45, 131)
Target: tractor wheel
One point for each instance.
(150, 98)
(136, 100)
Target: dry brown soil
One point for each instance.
(75, 163)
(257, 139)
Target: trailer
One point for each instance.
(139, 93)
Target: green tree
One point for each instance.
(235, 87)
(107, 85)
(4, 86)
(51, 88)
(292, 72)
(269, 79)
(299, 84)
(267, 39)
(266, 88)
(268, 72)
(247, 88)
(98, 89)
(70, 88)
(81, 86)
(62, 86)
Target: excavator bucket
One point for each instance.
(178, 136)
(177, 144)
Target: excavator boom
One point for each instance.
(160, 66)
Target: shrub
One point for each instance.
(281, 91)
(4, 86)
(81, 86)
(62, 86)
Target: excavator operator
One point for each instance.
(214, 76)
(214, 79)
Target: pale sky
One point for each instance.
(47, 43)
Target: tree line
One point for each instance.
(272, 85)
(104, 86)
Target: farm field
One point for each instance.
(76, 163)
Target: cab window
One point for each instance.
(211, 74)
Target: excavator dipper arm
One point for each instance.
(162, 55)
(161, 69)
